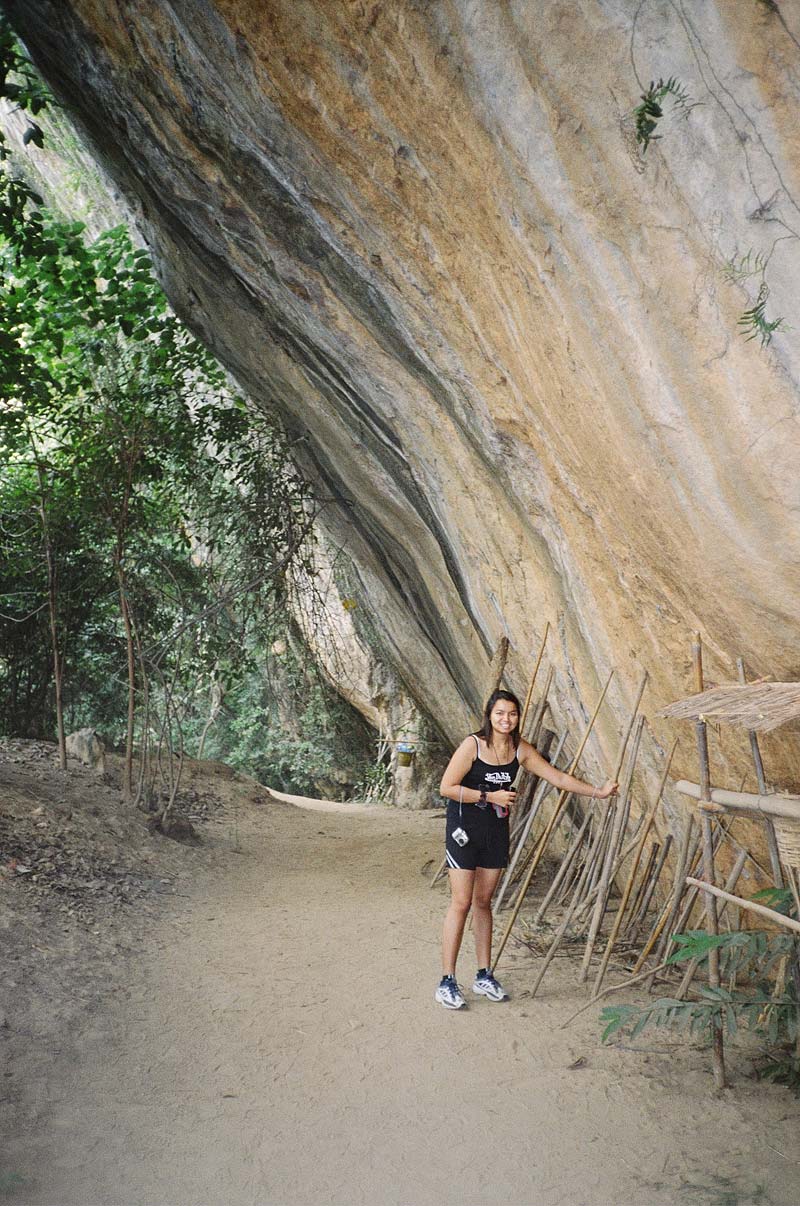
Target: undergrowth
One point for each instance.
(766, 1004)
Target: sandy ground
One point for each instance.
(275, 1041)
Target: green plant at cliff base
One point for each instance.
(768, 1005)
(649, 112)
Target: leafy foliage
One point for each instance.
(769, 1009)
(649, 112)
(169, 508)
(742, 267)
(755, 319)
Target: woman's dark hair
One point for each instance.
(486, 731)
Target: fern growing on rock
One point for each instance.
(648, 114)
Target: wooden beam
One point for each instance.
(750, 905)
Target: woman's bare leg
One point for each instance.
(461, 887)
(486, 880)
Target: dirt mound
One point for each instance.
(83, 877)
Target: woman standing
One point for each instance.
(478, 786)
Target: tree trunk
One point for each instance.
(127, 777)
(52, 604)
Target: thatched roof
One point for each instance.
(759, 706)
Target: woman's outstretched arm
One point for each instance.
(533, 761)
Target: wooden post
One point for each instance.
(772, 842)
(708, 860)
(540, 849)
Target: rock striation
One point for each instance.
(507, 343)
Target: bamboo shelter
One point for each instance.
(759, 707)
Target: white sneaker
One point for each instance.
(449, 994)
(486, 986)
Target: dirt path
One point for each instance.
(278, 1044)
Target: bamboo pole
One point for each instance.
(772, 842)
(662, 855)
(751, 906)
(588, 876)
(498, 665)
(573, 911)
(637, 913)
(589, 898)
(541, 708)
(564, 870)
(686, 858)
(550, 826)
(708, 862)
(534, 676)
(526, 796)
(615, 837)
(556, 943)
(651, 815)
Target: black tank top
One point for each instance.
(485, 776)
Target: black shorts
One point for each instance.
(488, 837)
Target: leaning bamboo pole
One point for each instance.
(541, 708)
(616, 834)
(564, 870)
(730, 884)
(705, 805)
(660, 855)
(637, 911)
(751, 906)
(555, 944)
(626, 894)
(687, 855)
(534, 676)
(542, 845)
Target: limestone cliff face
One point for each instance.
(503, 340)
